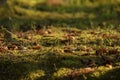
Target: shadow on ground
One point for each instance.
(42, 67)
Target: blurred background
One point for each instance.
(83, 14)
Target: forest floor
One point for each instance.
(60, 53)
(42, 42)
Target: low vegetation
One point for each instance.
(49, 40)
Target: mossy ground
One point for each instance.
(63, 42)
(45, 57)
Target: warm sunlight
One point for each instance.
(59, 39)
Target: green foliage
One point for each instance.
(77, 13)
